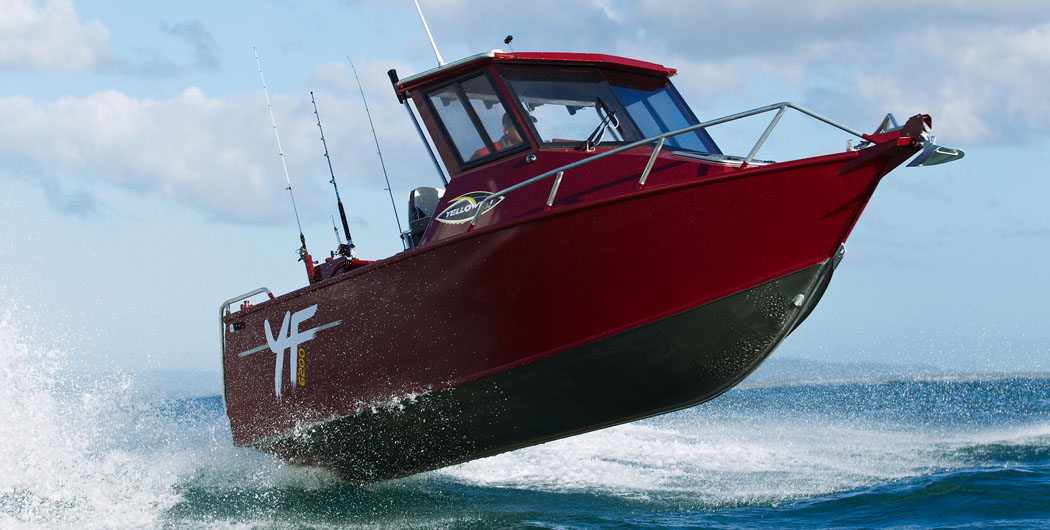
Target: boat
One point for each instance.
(593, 259)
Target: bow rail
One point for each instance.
(559, 172)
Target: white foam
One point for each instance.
(729, 459)
(95, 453)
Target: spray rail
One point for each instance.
(559, 172)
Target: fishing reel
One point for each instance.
(346, 250)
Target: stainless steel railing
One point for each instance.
(559, 173)
(222, 338)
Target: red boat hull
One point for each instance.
(602, 311)
(673, 363)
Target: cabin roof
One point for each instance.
(453, 69)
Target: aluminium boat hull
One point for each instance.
(666, 365)
(545, 326)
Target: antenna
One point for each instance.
(441, 62)
(378, 150)
(507, 42)
(347, 249)
(304, 255)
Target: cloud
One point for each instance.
(335, 76)
(78, 202)
(206, 50)
(50, 37)
(979, 68)
(217, 155)
(190, 147)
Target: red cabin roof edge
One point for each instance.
(452, 69)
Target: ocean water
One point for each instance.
(124, 451)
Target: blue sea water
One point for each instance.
(936, 451)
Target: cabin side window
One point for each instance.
(475, 120)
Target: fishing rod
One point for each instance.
(348, 248)
(378, 152)
(304, 255)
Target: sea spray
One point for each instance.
(112, 450)
(61, 465)
(99, 450)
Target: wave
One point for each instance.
(120, 451)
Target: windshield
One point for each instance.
(568, 106)
(657, 108)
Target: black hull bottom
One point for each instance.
(670, 364)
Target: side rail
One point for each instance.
(222, 337)
(559, 173)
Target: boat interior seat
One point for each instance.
(421, 205)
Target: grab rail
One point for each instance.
(222, 337)
(660, 138)
(249, 294)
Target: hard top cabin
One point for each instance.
(500, 119)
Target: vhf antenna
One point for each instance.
(304, 255)
(348, 248)
(378, 151)
(441, 62)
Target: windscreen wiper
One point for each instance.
(595, 137)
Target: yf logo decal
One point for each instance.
(289, 338)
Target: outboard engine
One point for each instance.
(421, 205)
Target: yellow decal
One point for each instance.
(302, 366)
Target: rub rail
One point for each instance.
(559, 172)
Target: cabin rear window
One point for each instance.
(475, 120)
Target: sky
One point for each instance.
(140, 183)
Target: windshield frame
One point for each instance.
(611, 79)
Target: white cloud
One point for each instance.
(979, 68)
(189, 147)
(215, 154)
(49, 37)
(981, 84)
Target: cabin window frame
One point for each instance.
(479, 126)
